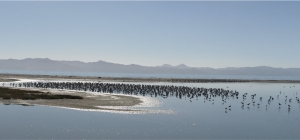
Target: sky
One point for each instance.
(198, 34)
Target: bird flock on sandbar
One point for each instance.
(164, 91)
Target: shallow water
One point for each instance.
(140, 75)
(193, 119)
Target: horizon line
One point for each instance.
(174, 66)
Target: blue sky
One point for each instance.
(198, 34)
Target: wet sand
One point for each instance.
(13, 77)
(103, 102)
(90, 101)
(8, 80)
(112, 103)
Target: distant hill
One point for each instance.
(45, 64)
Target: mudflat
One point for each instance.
(89, 101)
(8, 80)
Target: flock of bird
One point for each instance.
(269, 101)
(164, 91)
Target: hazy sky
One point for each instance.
(199, 34)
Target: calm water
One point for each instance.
(136, 75)
(193, 119)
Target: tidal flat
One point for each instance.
(12, 94)
(70, 99)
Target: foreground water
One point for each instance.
(193, 119)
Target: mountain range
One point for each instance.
(45, 64)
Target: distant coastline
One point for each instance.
(46, 65)
(14, 77)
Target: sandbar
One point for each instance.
(92, 102)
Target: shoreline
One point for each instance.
(13, 77)
(104, 102)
